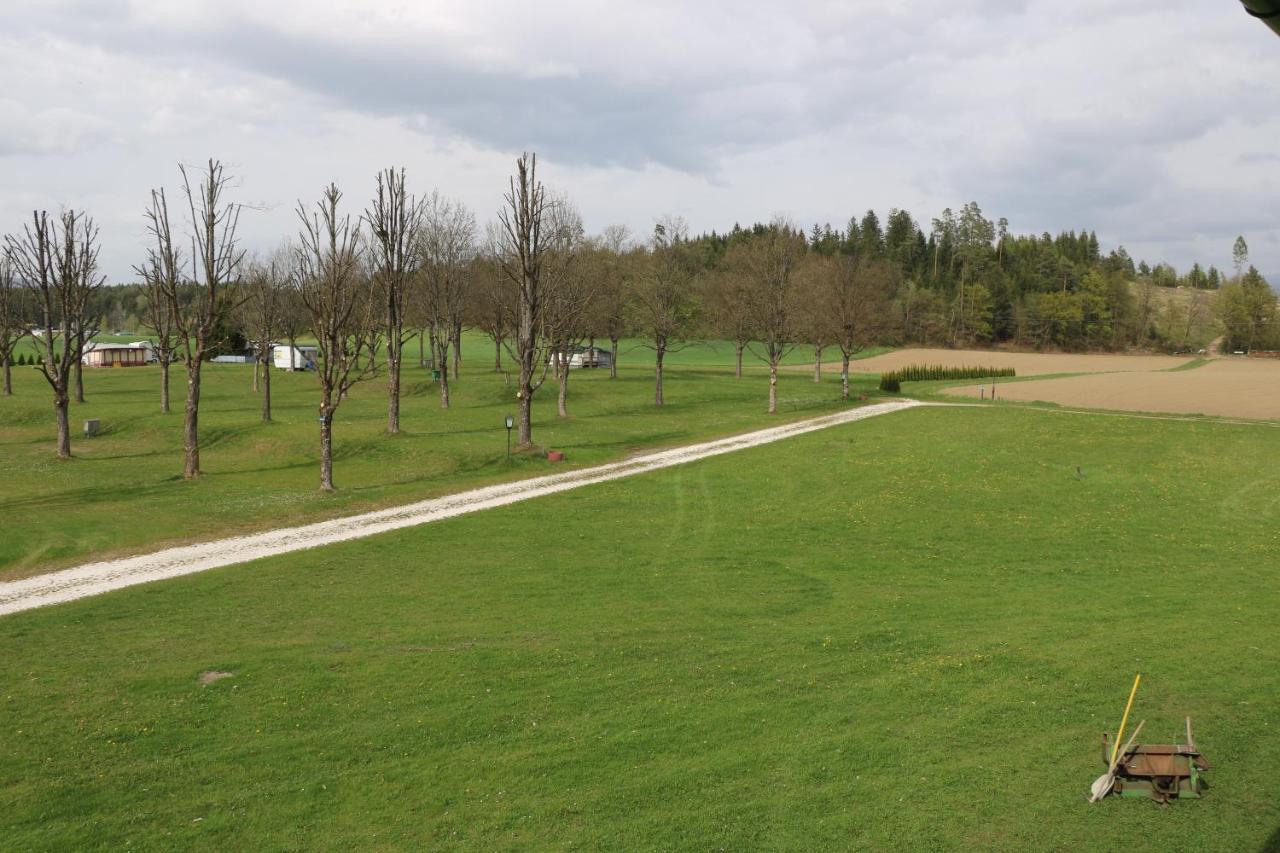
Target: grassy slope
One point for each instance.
(905, 633)
(123, 491)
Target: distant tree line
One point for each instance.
(363, 285)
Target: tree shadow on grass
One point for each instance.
(86, 496)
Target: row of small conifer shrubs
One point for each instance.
(892, 380)
(22, 359)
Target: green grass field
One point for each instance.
(905, 633)
(123, 491)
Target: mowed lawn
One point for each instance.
(905, 633)
(123, 491)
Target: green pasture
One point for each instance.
(904, 633)
(123, 491)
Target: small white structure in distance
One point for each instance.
(301, 357)
(134, 354)
(586, 357)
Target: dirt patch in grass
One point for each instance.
(1228, 387)
(211, 675)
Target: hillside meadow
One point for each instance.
(905, 633)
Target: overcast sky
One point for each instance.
(1154, 123)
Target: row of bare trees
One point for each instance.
(363, 285)
(56, 261)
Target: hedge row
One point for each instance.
(892, 380)
(23, 360)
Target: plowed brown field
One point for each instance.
(1227, 387)
(1026, 363)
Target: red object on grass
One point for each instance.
(555, 456)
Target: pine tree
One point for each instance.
(872, 236)
(1239, 256)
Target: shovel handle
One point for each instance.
(1125, 718)
(1133, 737)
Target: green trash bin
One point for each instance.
(435, 374)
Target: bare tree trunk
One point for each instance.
(457, 350)
(266, 391)
(526, 351)
(737, 352)
(817, 364)
(191, 433)
(393, 382)
(164, 386)
(562, 398)
(525, 416)
(256, 367)
(78, 367)
(8, 378)
(442, 363)
(773, 387)
(422, 355)
(844, 376)
(64, 426)
(657, 389)
(613, 360)
(497, 355)
(326, 448)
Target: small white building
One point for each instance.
(134, 354)
(301, 357)
(586, 357)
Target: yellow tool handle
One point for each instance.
(1120, 734)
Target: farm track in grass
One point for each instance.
(122, 493)
(101, 577)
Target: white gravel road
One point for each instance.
(97, 578)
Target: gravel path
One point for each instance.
(97, 578)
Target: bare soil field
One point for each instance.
(1225, 387)
(1026, 363)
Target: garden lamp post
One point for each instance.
(510, 423)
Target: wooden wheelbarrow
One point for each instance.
(1161, 771)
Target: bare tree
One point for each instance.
(446, 245)
(613, 261)
(852, 300)
(663, 304)
(569, 293)
(339, 297)
(87, 329)
(162, 274)
(455, 335)
(11, 328)
(491, 305)
(293, 320)
(728, 311)
(57, 261)
(524, 245)
(767, 264)
(394, 218)
(263, 314)
(216, 258)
